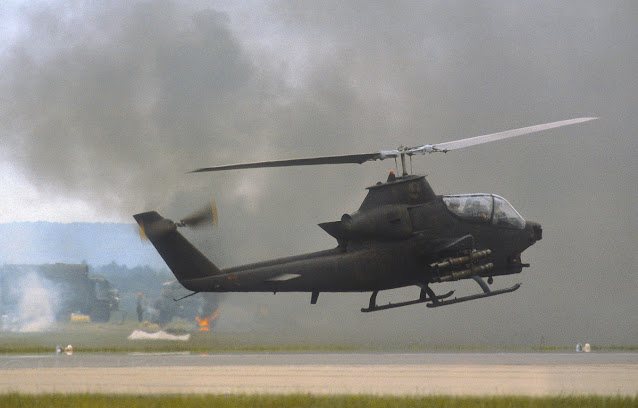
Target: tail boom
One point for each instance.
(185, 261)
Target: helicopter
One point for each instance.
(403, 234)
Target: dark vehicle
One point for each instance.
(165, 308)
(403, 234)
(75, 290)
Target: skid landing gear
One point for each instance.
(428, 296)
(486, 293)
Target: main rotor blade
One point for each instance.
(400, 152)
(309, 161)
(472, 141)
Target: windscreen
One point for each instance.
(486, 208)
(505, 215)
(473, 207)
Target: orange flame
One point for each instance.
(204, 322)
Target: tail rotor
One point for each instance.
(202, 217)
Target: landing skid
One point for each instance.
(427, 295)
(473, 297)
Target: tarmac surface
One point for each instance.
(533, 374)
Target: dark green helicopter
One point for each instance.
(403, 234)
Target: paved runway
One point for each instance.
(326, 373)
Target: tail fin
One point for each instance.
(184, 260)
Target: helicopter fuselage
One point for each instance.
(403, 234)
(368, 265)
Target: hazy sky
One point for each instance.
(105, 106)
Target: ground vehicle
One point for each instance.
(69, 286)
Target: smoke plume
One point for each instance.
(32, 303)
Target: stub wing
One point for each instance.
(336, 230)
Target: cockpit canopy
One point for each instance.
(487, 208)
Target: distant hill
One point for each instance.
(93, 243)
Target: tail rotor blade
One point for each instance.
(207, 215)
(142, 232)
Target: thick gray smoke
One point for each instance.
(113, 103)
(30, 303)
(210, 304)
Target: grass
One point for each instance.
(99, 338)
(110, 337)
(157, 346)
(283, 401)
(19, 400)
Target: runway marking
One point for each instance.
(418, 379)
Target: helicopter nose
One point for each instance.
(535, 229)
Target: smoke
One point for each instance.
(124, 98)
(210, 304)
(33, 303)
(110, 104)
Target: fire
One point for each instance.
(204, 322)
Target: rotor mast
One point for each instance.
(403, 165)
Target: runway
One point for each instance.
(533, 374)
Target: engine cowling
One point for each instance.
(391, 222)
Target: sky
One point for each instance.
(106, 106)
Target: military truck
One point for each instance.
(75, 291)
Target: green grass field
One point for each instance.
(278, 401)
(111, 337)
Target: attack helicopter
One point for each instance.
(403, 234)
